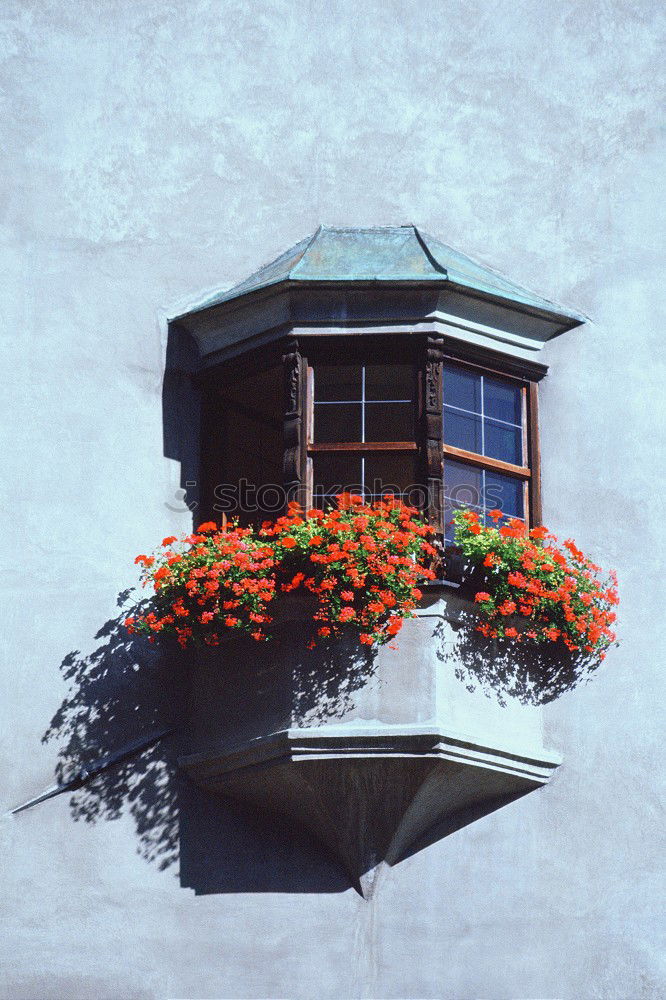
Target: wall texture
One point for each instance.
(154, 150)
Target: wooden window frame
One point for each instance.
(343, 447)
(530, 473)
(363, 355)
(427, 354)
(428, 359)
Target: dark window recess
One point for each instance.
(244, 476)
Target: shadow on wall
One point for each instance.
(126, 687)
(505, 670)
(121, 690)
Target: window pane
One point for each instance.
(463, 487)
(502, 400)
(463, 484)
(389, 422)
(503, 442)
(462, 388)
(504, 492)
(392, 472)
(333, 382)
(462, 430)
(337, 422)
(389, 382)
(334, 473)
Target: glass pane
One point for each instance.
(463, 484)
(333, 382)
(505, 493)
(502, 400)
(462, 430)
(337, 422)
(389, 382)
(334, 473)
(463, 487)
(462, 388)
(392, 472)
(389, 422)
(503, 442)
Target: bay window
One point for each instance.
(375, 361)
(383, 418)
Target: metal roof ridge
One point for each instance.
(485, 267)
(544, 304)
(292, 270)
(364, 229)
(429, 254)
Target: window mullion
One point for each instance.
(363, 427)
(432, 433)
(295, 456)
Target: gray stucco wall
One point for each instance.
(154, 150)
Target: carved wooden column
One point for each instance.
(294, 464)
(432, 432)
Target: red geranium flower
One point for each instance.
(371, 553)
(559, 591)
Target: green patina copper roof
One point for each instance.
(383, 254)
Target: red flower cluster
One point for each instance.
(213, 579)
(362, 562)
(534, 590)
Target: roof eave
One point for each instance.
(242, 299)
(554, 314)
(563, 318)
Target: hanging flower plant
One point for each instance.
(362, 562)
(534, 590)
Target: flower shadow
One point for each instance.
(123, 689)
(530, 673)
(327, 678)
(126, 688)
